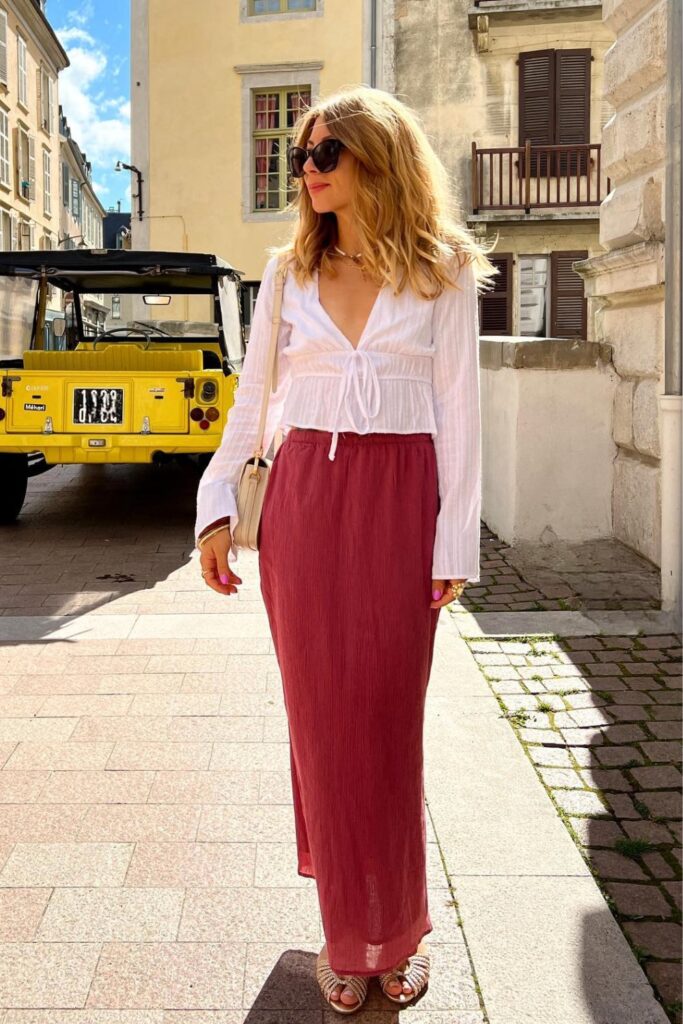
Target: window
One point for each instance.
(47, 182)
(4, 150)
(24, 235)
(495, 305)
(46, 99)
(552, 303)
(247, 293)
(51, 88)
(534, 296)
(3, 47)
(567, 300)
(554, 108)
(5, 231)
(76, 199)
(274, 114)
(280, 6)
(66, 187)
(25, 154)
(22, 72)
(116, 307)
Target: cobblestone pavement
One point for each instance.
(600, 718)
(595, 575)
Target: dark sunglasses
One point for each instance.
(325, 156)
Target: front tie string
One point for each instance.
(367, 393)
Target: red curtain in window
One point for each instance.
(266, 116)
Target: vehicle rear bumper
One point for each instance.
(65, 449)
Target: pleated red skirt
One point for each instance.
(345, 557)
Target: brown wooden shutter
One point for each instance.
(573, 104)
(567, 300)
(495, 305)
(536, 103)
(554, 105)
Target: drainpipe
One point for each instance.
(373, 43)
(670, 400)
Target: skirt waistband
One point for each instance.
(314, 435)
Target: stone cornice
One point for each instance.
(278, 67)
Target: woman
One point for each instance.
(370, 523)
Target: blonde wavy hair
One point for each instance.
(402, 202)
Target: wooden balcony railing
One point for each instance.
(537, 177)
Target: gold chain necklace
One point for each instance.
(356, 258)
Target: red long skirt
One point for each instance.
(345, 557)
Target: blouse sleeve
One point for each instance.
(217, 491)
(458, 418)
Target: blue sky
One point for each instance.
(95, 90)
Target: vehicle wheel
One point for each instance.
(13, 482)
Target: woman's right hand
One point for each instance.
(213, 558)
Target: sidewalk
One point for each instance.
(147, 857)
(146, 837)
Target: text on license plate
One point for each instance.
(98, 405)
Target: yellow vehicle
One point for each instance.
(144, 391)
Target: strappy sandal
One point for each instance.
(328, 980)
(416, 974)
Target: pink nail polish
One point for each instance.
(223, 578)
(436, 594)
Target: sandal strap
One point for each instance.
(328, 980)
(416, 973)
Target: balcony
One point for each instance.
(523, 7)
(537, 178)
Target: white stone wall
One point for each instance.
(625, 285)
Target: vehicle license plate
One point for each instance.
(98, 405)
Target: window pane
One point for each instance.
(297, 103)
(266, 110)
(266, 171)
(301, 5)
(265, 6)
(533, 296)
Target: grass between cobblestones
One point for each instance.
(600, 719)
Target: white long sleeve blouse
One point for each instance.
(414, 369)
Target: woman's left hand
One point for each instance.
(446, 596)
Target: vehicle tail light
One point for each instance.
(212, 413)
(204, 424)
(196, 414)
(2, 414)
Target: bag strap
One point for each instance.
(270, 379)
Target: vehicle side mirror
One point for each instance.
(59, 326)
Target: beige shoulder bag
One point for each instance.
(251, 487)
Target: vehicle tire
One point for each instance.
(13, 483)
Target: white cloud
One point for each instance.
(74, 35)
(100, 188)
(82, 14)
(100, 126)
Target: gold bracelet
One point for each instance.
(212, 533)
